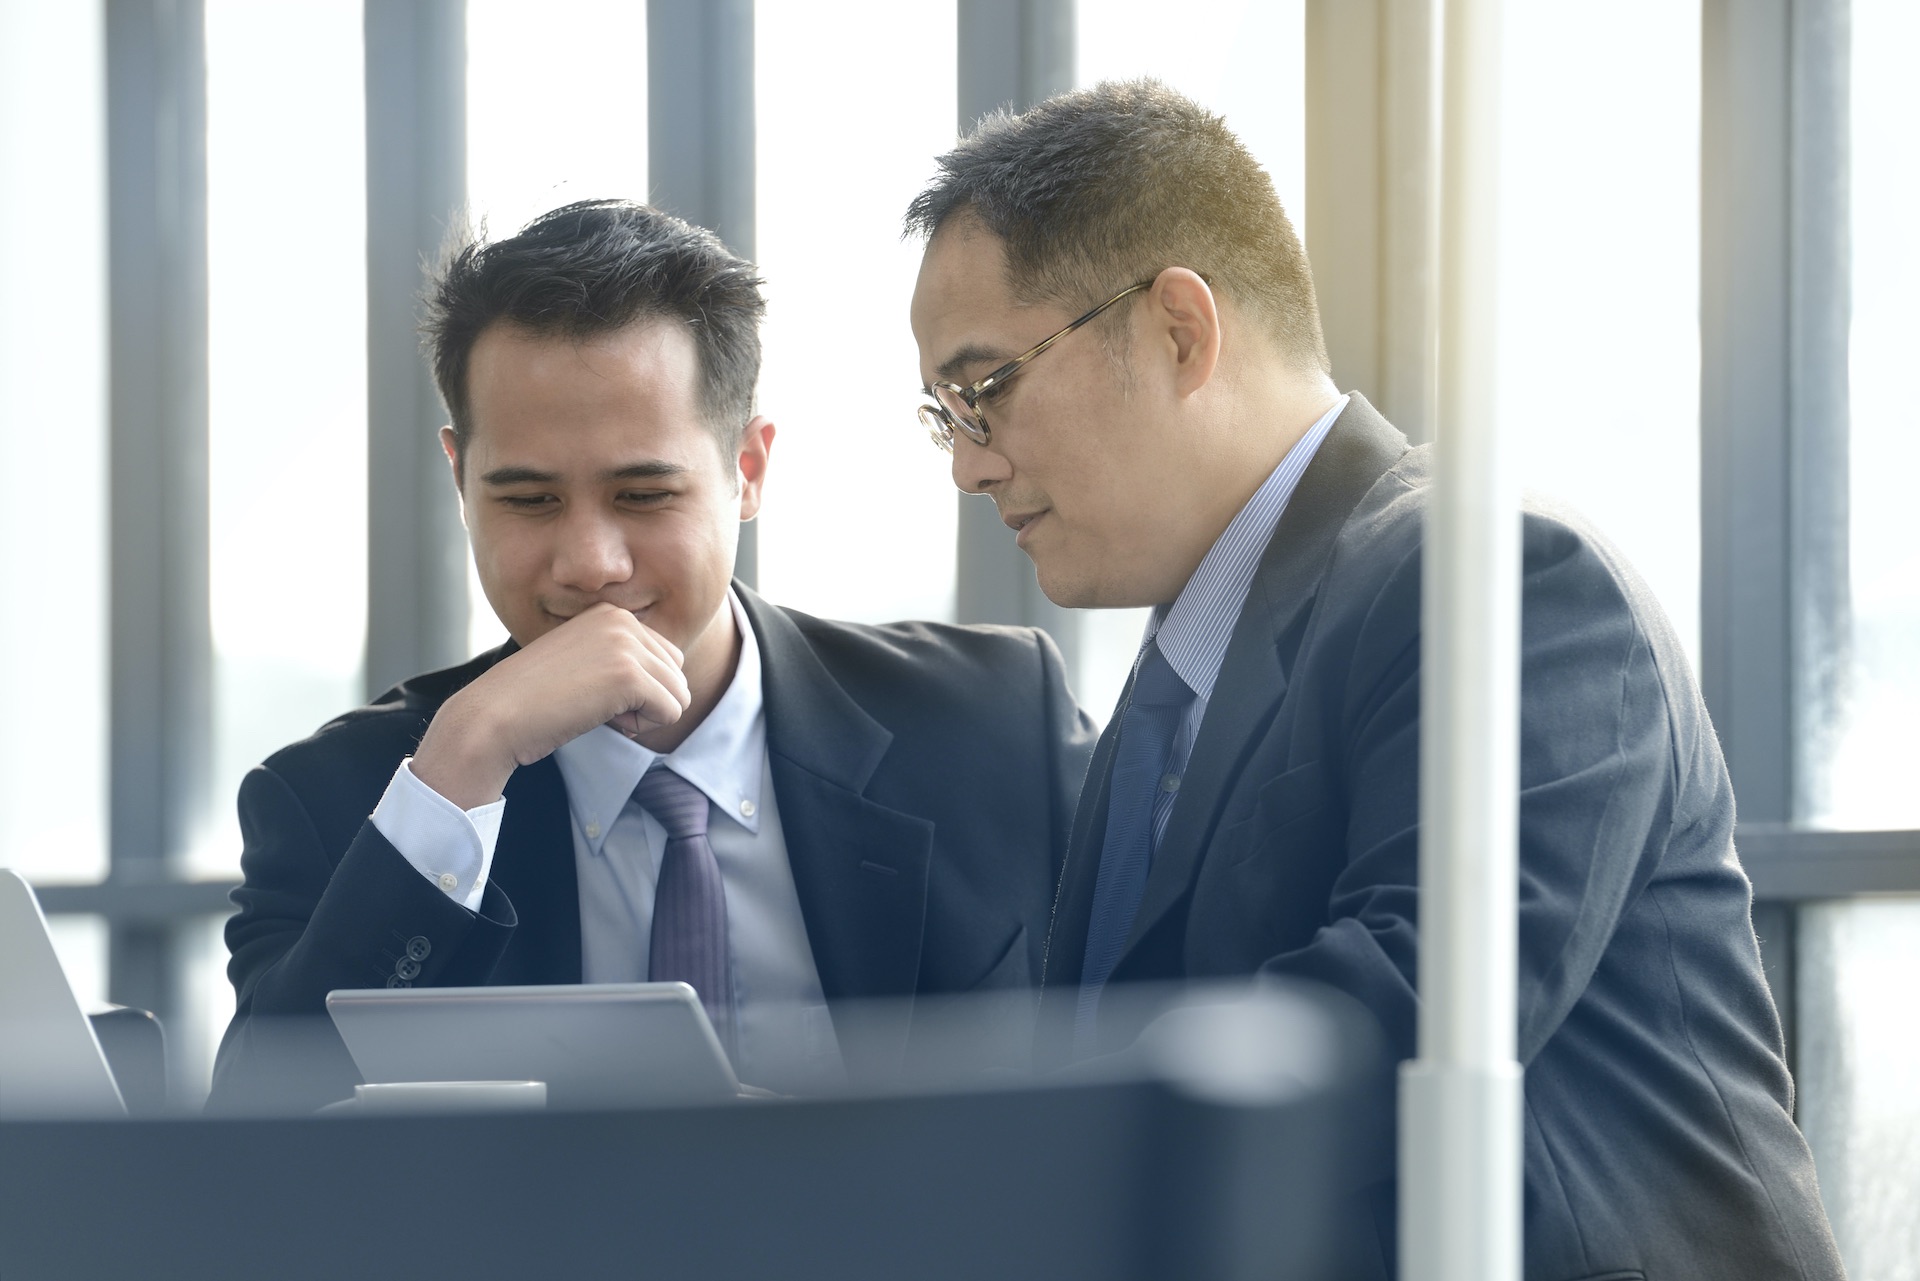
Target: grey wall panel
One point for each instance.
(1775, 309)
(700, 136)
(161, 644)
(1013, 54)
(1820, 310)
(416, 189)
(1372, 173)
(1745, 397)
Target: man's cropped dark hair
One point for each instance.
(1093, 190)
(592, 268)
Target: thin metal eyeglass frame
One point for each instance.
(941, 421)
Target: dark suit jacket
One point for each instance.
(1658, 1129)
(883, 742)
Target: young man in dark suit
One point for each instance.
(1120, 344)
(660, 776)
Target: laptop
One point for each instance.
(51, 1064)
(599, 1045)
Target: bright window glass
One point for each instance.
(286, 209)
(194, 1040)
(1859, 1077)
(81, 944)
(1869, 777)
(1599, 349)
(859, 517)
(556, 112)
(53, 413)
(1247, 62)
(556, 106)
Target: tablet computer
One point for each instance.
(596, 1045)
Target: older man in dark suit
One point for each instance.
(1253, 806)
(660, 776)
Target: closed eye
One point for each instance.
(526, 502)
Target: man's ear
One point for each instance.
(1187, 319)
(755, 445)
(449, 445)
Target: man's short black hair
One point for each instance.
(592, 268)
(1093, 190)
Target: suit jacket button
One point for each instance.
(408, 968)
(418, 947)
(394, 980)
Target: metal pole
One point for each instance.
(416, 183)
(161, 663)
(1013, 54)
(1460, 1146)
(700, 139)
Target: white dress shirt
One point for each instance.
(785, 1034)
(1194, 631)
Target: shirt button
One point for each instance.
(1170, 783)
(747, 808)
(449, 882)
(593, 831)
(418, 947)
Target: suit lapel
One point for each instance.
(1253, 681)
(533, 865)
(860, 868)
(1073, 906)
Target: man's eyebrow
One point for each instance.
(519, 476)
(972, 354)
(652, 469)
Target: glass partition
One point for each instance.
(853, 99)
(1869, 777)
(287, 400)
(1599, 373)
(53, 428)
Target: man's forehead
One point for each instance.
(964, 256)
(964, 310)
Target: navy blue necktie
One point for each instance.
(1155, 706)
(689, 901)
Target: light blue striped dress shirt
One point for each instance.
(1193, 631)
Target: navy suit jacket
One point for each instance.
(882, 741)
(1659, 1135)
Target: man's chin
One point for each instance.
(1086, 587)
(1066, 589)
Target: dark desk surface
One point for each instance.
(1115, 1181)
(1213, 1157)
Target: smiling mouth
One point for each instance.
(1022, 524)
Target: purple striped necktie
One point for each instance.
(689, 901)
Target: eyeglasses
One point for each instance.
(957, 408)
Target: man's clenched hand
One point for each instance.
(603, 666)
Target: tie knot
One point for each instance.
(1157, 684)
(679, 805)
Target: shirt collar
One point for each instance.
(1193, 632)
(723, 757)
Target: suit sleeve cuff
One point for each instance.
(451, 847)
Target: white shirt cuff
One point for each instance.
(449, 846)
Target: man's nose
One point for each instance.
(592, 552)
(977, 468)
